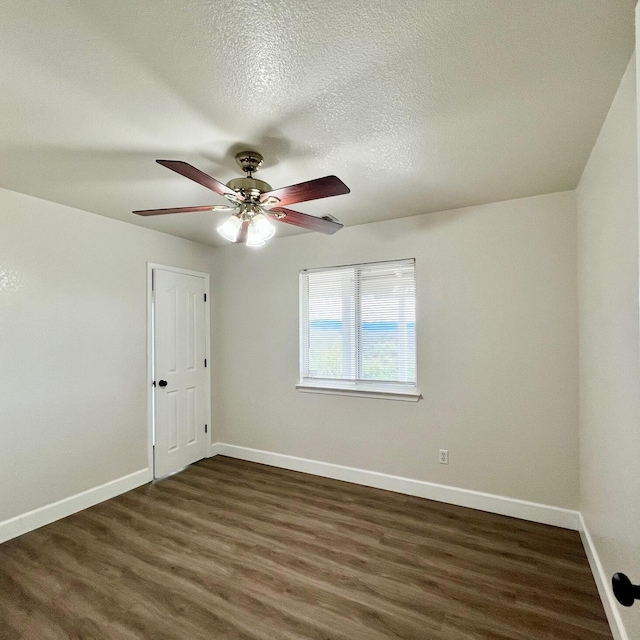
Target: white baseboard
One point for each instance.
(502, 505)
(604, 586)
(51, 512)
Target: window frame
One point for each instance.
(360, 388)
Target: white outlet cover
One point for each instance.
(444, 456)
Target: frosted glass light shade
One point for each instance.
(254, 237)
(264, 227)
(230, 229)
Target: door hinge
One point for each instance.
(206, 428)
(154, 383)
(205, 297)
(205, 362)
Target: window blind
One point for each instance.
(358, 323)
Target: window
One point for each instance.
(358, 329)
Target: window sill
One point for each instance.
(404, 395)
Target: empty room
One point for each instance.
(319, 320)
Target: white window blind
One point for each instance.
(358, 324)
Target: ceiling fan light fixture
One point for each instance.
(230, 228)
(254, 237)
(263, 226)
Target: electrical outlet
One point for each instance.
(444, 456)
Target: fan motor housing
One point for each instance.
(249, 186)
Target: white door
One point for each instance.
(180, 373)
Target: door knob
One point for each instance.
(624, 591)
(162, 383)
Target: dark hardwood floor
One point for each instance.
(229, 549)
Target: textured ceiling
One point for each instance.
(418, 106)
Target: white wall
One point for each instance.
(497, 351)
(607, 232)
(73, 382)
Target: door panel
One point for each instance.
(172, 420)
(179, 357)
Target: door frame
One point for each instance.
(207, 339)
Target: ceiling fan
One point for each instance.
(254, 202)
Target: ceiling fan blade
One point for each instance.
(189, 171)
(326, 225)
(161, 212)
(312, 190)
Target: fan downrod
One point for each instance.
(251, 188)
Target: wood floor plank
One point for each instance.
(240, 551)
